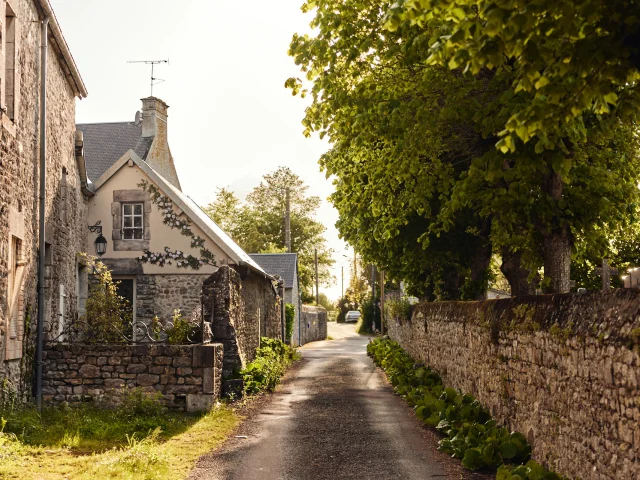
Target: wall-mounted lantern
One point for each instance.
(101, 242)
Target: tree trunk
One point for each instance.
(479, 267)
(557, 246)
(517, 275)
(557, 261)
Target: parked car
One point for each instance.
(352, 316)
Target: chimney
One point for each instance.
(154, 117)
(154, 125)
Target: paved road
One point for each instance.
(334, 417)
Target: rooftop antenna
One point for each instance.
(154, 80)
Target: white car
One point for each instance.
(352, 316)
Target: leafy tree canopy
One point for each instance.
(574, 58)
(257, 225)
(420, 187)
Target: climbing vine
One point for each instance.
(169, 218)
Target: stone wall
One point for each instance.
(261, 299)
(161, 294)
(188, 376)
(562, 369)
(314, 324)
(240, 312)
(65, 205)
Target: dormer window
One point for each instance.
(132, 221)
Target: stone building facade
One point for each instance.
(120, 157)
(564, 370)
(66, 205)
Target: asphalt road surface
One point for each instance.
(333, 417)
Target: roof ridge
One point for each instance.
(108, 123)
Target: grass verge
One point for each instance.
(89, 442)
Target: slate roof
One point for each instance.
(105, 143)
(281, 264)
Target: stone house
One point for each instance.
(21, 23)
(149, 223)
(285, 266)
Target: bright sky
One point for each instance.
(230, 118)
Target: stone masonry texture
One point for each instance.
(561, 369)
(240, 311)
(189, 377)
(161, 294)
(65, 206)
(314, 324)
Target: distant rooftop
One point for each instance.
(105, 143)
(281, 264)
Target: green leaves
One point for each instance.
(271, 361)
(585, 50)
(469, 433)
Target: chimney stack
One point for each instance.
(154, 117)
(154, 125)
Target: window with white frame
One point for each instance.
(132, 221)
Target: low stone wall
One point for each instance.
(314, 324)
(562, 369)
(188, 376)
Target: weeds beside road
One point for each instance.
(139, 440)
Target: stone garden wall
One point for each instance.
(188, 376)
(561, 369)
(243, 311)
(314, 324)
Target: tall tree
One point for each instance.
(420, 186)
(257, 225)
(574, 58)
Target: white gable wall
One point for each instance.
(161, 235)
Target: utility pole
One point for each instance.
(317, 291)
(287, 220)
(342, 276)
(382, 302)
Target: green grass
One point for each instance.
(140, 440)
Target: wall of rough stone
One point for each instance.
(562, 369)
(161, 294)
(231, 304)
(261, 299)
(314, 324)
(189, 377)
(65, 205)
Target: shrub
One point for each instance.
(107, 315)
(399, 309)
(470, 434)
(290, 316)
(370, 318)
(272, 359)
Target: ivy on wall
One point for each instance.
(183, 225)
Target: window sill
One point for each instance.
(8, 125)
(130, 245)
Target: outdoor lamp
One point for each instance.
(101, 242)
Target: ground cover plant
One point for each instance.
(273, 357)
(141, 439)
(469, 432)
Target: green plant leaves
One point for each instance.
(469, 433)
(508, 450)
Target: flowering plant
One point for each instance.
(183, 225)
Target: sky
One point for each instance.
(230, 118)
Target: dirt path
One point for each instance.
(334, 417)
